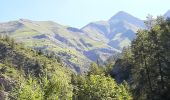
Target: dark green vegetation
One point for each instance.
(147, 62)
(29, 75)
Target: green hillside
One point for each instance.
(29, 75)
(70, 44)
(22, 68)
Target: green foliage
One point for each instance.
(151, 60)
(32, 88)
(100, 87)
(32, 76)
(28, 90)
(147, 61)
(95, 69)
(58, 87)
(127, 55)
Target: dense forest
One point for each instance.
(148, 62)
(26, 74)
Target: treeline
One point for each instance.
(149, 58)
(26, 74)
(98, 85)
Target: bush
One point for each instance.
(100, 87)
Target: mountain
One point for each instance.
(76, 48)
(119, 30)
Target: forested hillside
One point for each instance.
(29, 75)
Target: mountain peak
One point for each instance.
(121, 15)
(124, 16)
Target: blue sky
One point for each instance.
(78, 13)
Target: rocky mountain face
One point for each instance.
(76, 48)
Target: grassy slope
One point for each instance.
(70, 42)
(30, 29)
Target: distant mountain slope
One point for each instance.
(70, 44)
(119, 30)
(47, 36)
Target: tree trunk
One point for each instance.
(161, 72)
